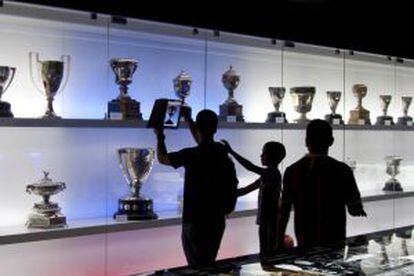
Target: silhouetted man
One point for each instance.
(319, 188)
(209, 178)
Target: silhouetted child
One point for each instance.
(269, 185)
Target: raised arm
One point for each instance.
(162, 154)
(249, 188)
(185, 111)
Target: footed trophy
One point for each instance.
(182, 86)
(52, 75)
(405, 120)
(6, 77)
(302, 97)
(359, 116)
(230, 110)
(46, 214)
(393, 168)
(136, 165)
(123, 107)
(276, 94)
(333, 99)
(384, 119)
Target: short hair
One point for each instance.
(275, 151)
(206, 122)
(319, 133)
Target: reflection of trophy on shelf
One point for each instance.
(404, 235)
(136, 165)
(6, 77)
(182, 86)
(383, 241)
(46, 214)
(384, 119)
(230, 110)
(351, 163)
(333, 99)
(405, 120)
(123, 107)
(302, 97)
(359, 116)
(393, 169)
(276, 94)
(52, 74)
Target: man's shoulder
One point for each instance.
(338, 164)
(298, 164)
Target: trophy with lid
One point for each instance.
(182, 86)
(53, 75)
(405, 120)
(123, 107)
(333, 99)
(384, 119)
(302, 97)
(359, 116)
(136, 165)
(276, 94)
(393, 168)
(230, 110)
(46, 214)
(6, 77)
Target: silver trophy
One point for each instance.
(182, 86)
(6, 77)
(384, 119)
(276, 94)
(393, 169)
(230, 110)
(333, 99)
(359, 116)
(46, 214)
(302, 97)
(405, 120)
(52, 75)
(123, 107)
(136, 165)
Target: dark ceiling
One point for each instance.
(383, 27)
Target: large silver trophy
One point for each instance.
(384, 119)
(6, 77)
(393, 168)
(136, 165)
(359, 116)
(231, 110)
(52, 75)
(405, 120)
(333, 99)
(182, 86)
(46, 214)
(123, 107)
(302, 97)
(276, 94)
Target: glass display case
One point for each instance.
(65, 116)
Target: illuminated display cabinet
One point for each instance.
(80, 149)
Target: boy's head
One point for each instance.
(272, 153)
(206, 123)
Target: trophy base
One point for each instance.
(359, 117)
(392, 185)
(231, 112)
(276, 117)
(5, 110)
(384, 121)
(334, 119)
(135, 209)
(46, 221)
(405, 121)
(302, 119)
(124, 108)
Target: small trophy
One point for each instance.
(123, 107)
(6, 77)
(302, 101)
(52, 74)
(46, 214)
(230, 110)
(359, 116)
(182, 86)
(136, 164)
(405, 120)
(393, 168)
(276, 94)
(333, 99)
(384, 119)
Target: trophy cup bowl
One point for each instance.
(384, 119)
(302, 101)
(405, 120)
(136, 165)
(230, 110)
(333, 99)
(359, 116)
(53, 78)
(393, 168)
(276, 94)
(6, 77)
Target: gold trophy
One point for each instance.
(359, 116)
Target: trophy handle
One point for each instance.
(34, 57)
(66, 61)
(123, 166)
(13, 72)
